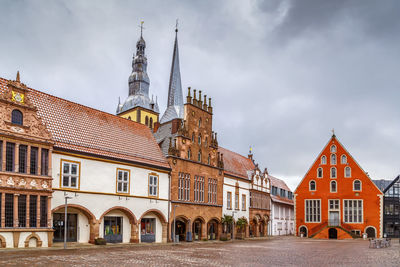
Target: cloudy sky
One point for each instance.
(281, 74)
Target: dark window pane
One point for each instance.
(10, 157)
(34, 160)
(9, 210)
(22, 211)
(43, 211)
(32, 211)
(16, 117)
(22, 158)
(45, 162)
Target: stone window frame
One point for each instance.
(152, 185)
(78, 176)
(123, 182)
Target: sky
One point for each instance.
(281, 74)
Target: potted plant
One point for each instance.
(226, 221)
(241, 224)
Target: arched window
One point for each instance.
(333, 149)
(343, 159)
(206, 142)
(333, 172)
(347, 172)
(319, 173)
(192, 137)
(151, 123)
(17, 117)
(333, 159)
(146, 121)
(129, 118)
(200, 122)
(189, 154)
(199, 156)
(333, 187)
(209, 159)
(199, 139)
(313, 186)
(357, 185)
(323, 160)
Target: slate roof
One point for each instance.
(382, 184)
(236, 164)
(280, 184)
(83, 129)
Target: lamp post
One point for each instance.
(233, 219)
(174, 236)
(65, 219)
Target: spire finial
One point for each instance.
(333, 133)
(250, 150)
(141, 28)
(176, 26)
(18, 79)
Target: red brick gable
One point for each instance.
(83, 129)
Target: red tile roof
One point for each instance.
(280, 184)
(236, 164)
(84, 129)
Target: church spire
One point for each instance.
(175, 95)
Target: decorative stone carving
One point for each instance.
(44, 185)
(10, 181)
(22, 182)
(33, 183)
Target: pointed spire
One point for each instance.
(18, 78)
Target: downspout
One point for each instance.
(169, 205)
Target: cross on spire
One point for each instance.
(141, 28)
(333, 132)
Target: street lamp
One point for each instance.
(174, 236)
(233, 219)
(65, 219)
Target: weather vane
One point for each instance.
(176, 25)
(141, 27)
(333, 131)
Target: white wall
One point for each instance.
(282, 216)
(230, 186)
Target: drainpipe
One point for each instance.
(169, 205)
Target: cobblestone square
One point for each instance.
(284, 251)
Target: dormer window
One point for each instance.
(17, 117)
(333, 149)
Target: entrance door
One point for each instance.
(148, 230)
(113, 229)
(332, 233)
(334, 218)
(58, 226)
(197, 230)
(180, 230)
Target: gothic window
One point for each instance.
(357, 185)
(199, 156)
(347, 172)
(16, 117)
(146, 121)
(333, 159)
(193, 137)
(313, 186)
(333, 187)
(10, 156)
(199, 139)
(45, 162)
(200, 122)
(209, 159)
(189, 154)
(23, 150)
(333, 172)
(343, 159)
(151, 123)
(333, 149)
(323, 160)
(319, 173)
(206, 142)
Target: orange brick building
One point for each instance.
(336, 198)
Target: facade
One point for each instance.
(282, 208)
(25, 170)
(138, 106)
(110, 168)
(336, 198)
(391, 210)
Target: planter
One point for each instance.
(240, 235)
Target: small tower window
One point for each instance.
(199, 139)
(146, 121)
(313, 186)
(333, 149)
(209, 159)
(200, 122)
(343, 159)
(17, 117)
(189, 154)
(347, 172)
(319, 173)
(151, 123)
(333, 187)
(199, 156)
(129, 118)
(357, 185)
(333, 159)
(333, 172)
(323, 160)
(193, 137)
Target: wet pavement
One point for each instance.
(283, 251)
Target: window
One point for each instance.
(319, 173)
(347, 172)
(199, 139)
(243, 202)
(313, 186)
(353, 211)
(333, 187)
(17, 117)
(9, 210)
(23, 150)
(313, 210)
(22, 211)
(1, 156)
(209, 159)
(212, 190)
(206, 142)
(45, 162)
(333, 159)
(10, 157)
(189, 154)
(70, 174)
(153, 185)
(333, 172)
(146, 121)
(34, 160)
(333, 149)
(290, 195)
(343, 159)
(123, 181)
(199, 156)
(151, 123)
(229, 200)
(184, 186)
(323, 160)
(43, 211)
(200, 122)
(357, 185)
(274, 190)
(148, 226)
(333, 204)
(192, 137)
(236, 201)
(32, 211)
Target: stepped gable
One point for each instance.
(83, 129)
(236, 164)
(280, 184)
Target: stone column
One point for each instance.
(234, 231)
(164, 232)
(3, 210)
(16, 157)
(189, 226)
(3, 157)
(28, 160)
(94, 230)
(219, 231)
(49, 220)
(134, 232)
(16, 210)
(247, 230)
(28, 204)
(39, 167)
(38, 211)
(203, 231)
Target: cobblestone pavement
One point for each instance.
(284, 251)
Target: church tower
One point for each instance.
(138, 106)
